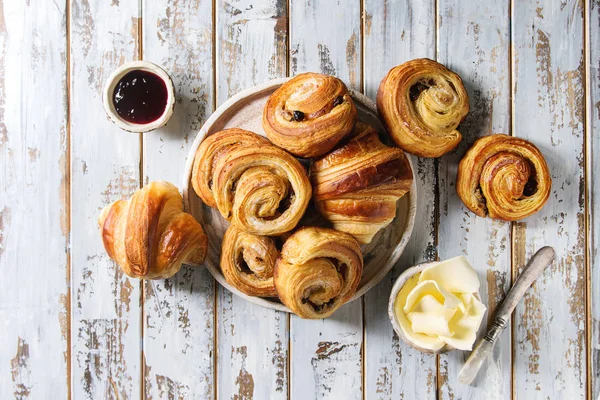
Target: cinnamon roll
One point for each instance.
(259, 187)
(317, 271)
(149, 235)
(357, 185)
(309, 114)
(421, 103)
(503, 177)
(248, 261)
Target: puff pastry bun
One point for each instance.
(357, 185)
(421, 103)
(503, 177)
(258, 187)
(150, 236)
(318, 270)
(248, 261)
(309, 114)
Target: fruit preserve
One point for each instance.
(140, 97)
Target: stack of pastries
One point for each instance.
(354, 181)
(263, 190)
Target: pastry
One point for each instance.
(248, 261)
(258, 187)
(421, 103)
(317, 271)
(503, 177)
(356, 186)
(309, 114)
(150, 236)
(211, 148)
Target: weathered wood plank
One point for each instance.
(593, 182)
(395, 33)
(325, 37)
(252, 341)
(34, 225)
(106, 309)
(179, 312)
(473, 40)
(549, 331)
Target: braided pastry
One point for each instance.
(421, 103)
(309, 114)
(503, 177)
(318, 271)
(248, 261)
(150, 235)
(357, 185)
(259, 187)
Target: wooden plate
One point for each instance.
(245, 111)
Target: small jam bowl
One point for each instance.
(111, 84)
(399, 284)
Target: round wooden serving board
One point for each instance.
(244, 110)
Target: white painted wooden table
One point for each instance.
(71, 325)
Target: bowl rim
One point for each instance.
(365, 101)
(112, 82)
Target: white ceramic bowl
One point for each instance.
(398, 284)
(111, 84)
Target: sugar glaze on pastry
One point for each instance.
(421, 103)
(357, 185)
(318, 270)
(309, 114)
(503, 177)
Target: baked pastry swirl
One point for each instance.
(248, 261)
(503, 177)
(259, 187)
(318, 270)
(421, 103)
(309, 114)
(211, 148)
(150, 236)
(357, 185)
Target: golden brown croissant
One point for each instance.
(421, 103)
(309, 114)
(357, 185)
(150, 235)
(259, 187)
(248, 261)
(318, 270)
(503, 177)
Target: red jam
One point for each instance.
(140, 97)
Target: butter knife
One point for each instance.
(531, 272)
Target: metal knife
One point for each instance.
(531, 272)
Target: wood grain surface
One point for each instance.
(548, 100)
(105, 166)
(74, 326)
(178, 323)
(34, 213)
(479, 53)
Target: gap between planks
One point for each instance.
(68, 175)
(587, 165)
(215, 353)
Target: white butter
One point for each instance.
(439, 306)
